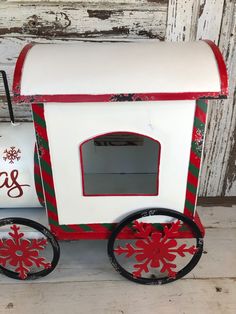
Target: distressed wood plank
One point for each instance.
(93, 1)
(218, 169)
(216, 22)
(182, 20)
(79, 20)
(209, 23)
(21, 113)
(21, 23)
(208, 201)
(218, 216)
(229, 183)
(184, 296)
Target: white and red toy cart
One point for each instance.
(120, 131)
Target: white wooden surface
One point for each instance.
(85, 282)
(59, 21)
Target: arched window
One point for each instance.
(120, 163)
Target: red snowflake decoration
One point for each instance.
(12, 154)
(22, 253)
(155, 249)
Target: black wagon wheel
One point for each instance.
(28, 250)
(155, 246)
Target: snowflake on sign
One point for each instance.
(22, 253)
(155, 249)
(12, 155)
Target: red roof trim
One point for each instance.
(221, 67)
(110, 97)
(18, 69)
(18, 98)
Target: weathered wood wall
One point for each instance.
(174, 20)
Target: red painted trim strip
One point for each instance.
(221, 67)
(93, 235)
(98, 228)
(108, 97)
(76, 228)
(38, 130)
(50, 198)
(52, 215)
(200, 114)
(18, 69)
(38, 178)
(187, 212)
(130, 194)
(45, 155)
(197, 135)
(194, 160)
(38, 110)
(192, 179)
(191, 197)
(63, 235)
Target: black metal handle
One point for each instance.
(8, 96)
